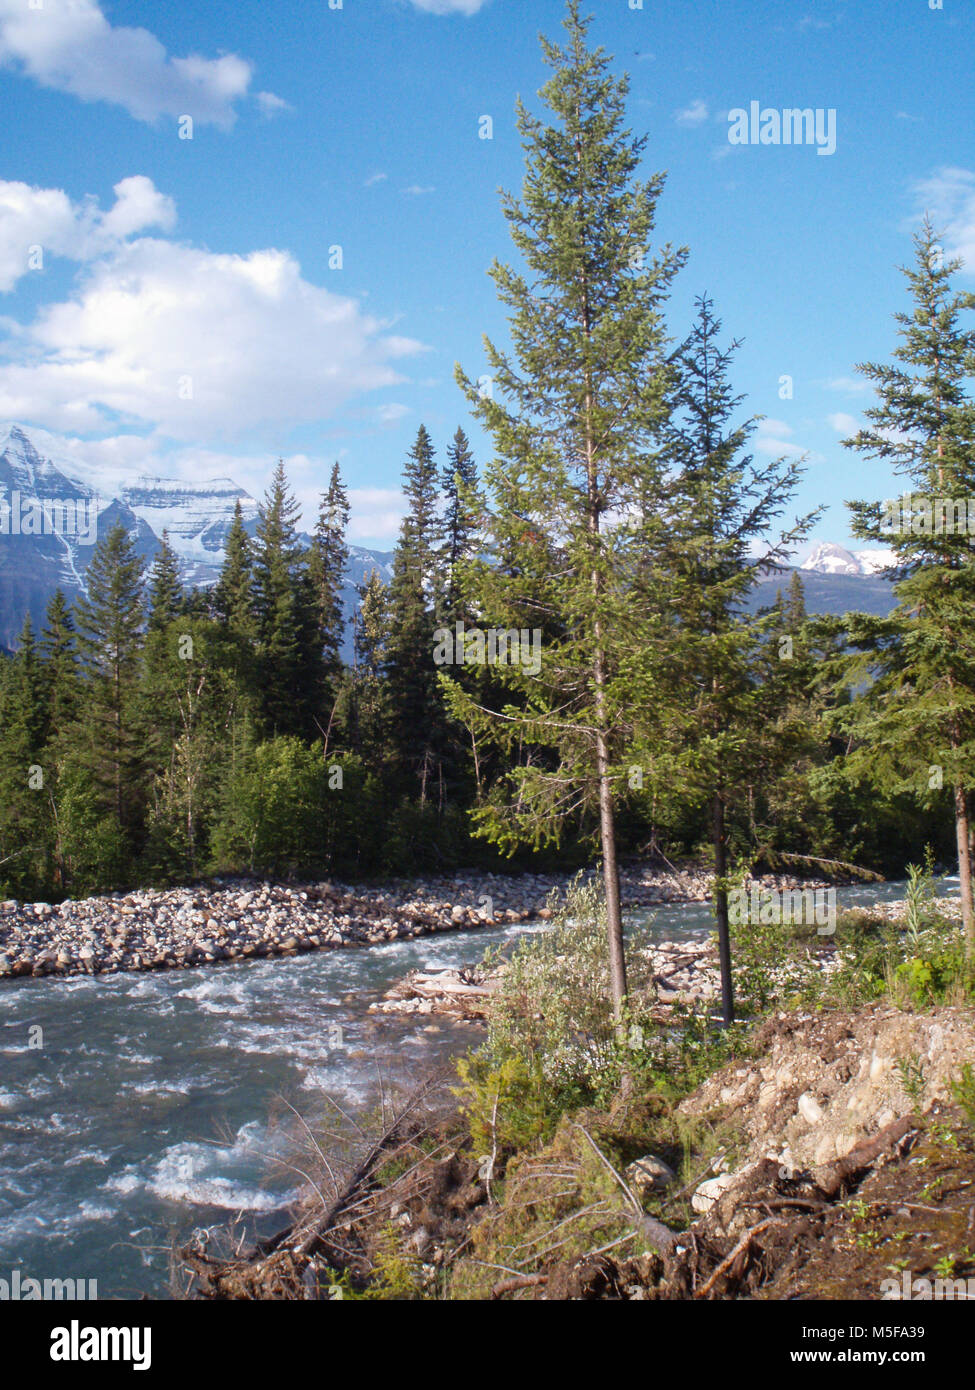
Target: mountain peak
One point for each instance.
(829, 558)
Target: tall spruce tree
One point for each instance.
(369, 705)
(165, 587)
(24, 828)
(59, 653)
(916, 720)
(110, 623)
(575, 413)
(233, 595)
(410, 669)
(289, 658)
(458, 525)
(720, 508)
(327, 562)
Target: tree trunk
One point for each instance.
(721, 908)
(965, 869)
(611, 880)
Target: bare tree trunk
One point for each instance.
(721, 908)
(963, 834)
(611, 881)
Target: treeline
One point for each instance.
(151, 734)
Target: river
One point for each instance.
(136, 1107)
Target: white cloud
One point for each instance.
(374, 179)
(178, 339)
(69, 45)
(949, 196)
(467, 7)
(851, 385)
(375, 512)
(392, 413)
(772, 440)
(778, 428)
(271, 105)
(45, 218)
(844, 424)
(693, 115)
(417, 190)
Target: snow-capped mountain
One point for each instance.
(829, 558)
(54, 507)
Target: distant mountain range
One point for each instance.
(53, 508)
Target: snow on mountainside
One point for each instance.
(829, 558)
(42, 474)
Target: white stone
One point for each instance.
(710, 1191)
(810, 1109)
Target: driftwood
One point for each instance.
(831, 1176)
(521, 1281)
(742, 1248)
(275, 1266)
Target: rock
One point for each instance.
(649, 1174)
(710, 1191)
(810, 1109)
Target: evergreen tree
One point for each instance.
(110, 622)
(417, 729)
(165, 587)
(720, 506)
(328, 560)
(234, 592)
(289, 660)
(59, 653)
(370, 714)
(24, 827)
(574, 417)
(458, 483)
(916, 721)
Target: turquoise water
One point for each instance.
(145, 1113)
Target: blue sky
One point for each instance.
(188, 315)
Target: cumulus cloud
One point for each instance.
(70, 46)
(843, 423)
(46, 220)
(693, 115)
(773, 440)
(850, 385)
(271, 105)
(449, 6)
(949, 197)
(189, 343)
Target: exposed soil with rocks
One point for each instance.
(836, 1182)
(226, 920)
(846, 1170)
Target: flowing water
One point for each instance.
(144, 1112)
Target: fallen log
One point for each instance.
(830, 1177)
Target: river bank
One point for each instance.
(235, 919)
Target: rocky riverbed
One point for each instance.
(226, 920)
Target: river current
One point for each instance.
(142, 1107)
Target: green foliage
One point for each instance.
(963, 1091)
